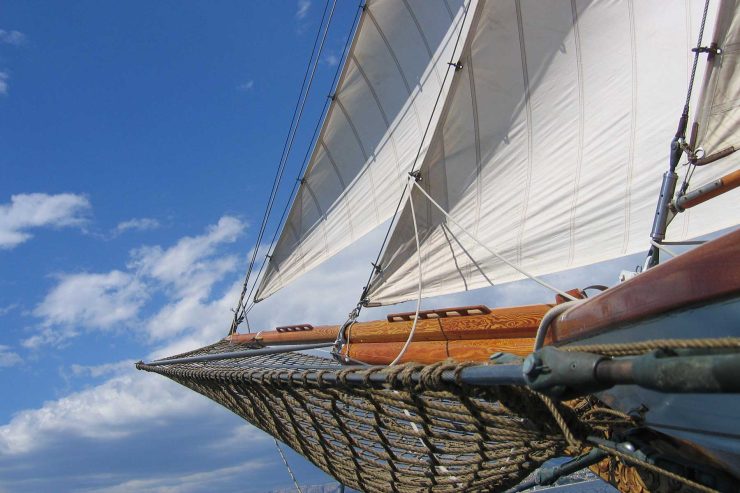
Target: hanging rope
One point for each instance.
(239, 311)
(663, 248)
(287, 466)
(418, 299)
(493, 252)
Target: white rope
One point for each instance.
(663, 248)
(285, 461)
(489, 250)
(418, 299)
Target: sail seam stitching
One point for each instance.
(476, 136)
(581, 116)
(323, 215)
(391, 137)
(345, 199)
(528, 104)
(423, 38)
(364, 154)
(633, 127)
(392, 53)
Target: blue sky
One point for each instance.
(138, 141)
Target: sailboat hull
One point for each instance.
(709, 421)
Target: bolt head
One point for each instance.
(529, 367)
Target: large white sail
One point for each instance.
(554, 138)
(372, 133)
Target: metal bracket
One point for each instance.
(294, 328)
(564, 374)
(440, 313)
(714, 50)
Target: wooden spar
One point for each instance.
(722, 185)
(427, 352)
(323, 333)
(462, 337)
(707, 273)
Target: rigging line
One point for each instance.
(319, 124)
(697, 52)
(663, 248)
(418, 299)
(493, 252)
(287, 466)
(287, 147)
(452, 65)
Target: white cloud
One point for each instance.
(177, 265)
(137, 224)
(303, 7)
(104, 412)
(106, 369)
(332, 60)
(90, 301)
(185, 272)
(3, 91)
(247, 86)
(35, 210)
(195, 482)
(4, 310)
(8, 358)
(15, 38)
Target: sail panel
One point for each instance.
(718, 117)
(372, 132)
(552, 145)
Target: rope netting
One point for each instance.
(401, 435)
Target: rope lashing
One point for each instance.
(663, 248)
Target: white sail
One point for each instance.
(372, 132)
(554, 138)
(717, 120)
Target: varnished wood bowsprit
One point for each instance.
(462, 337)
(428, 352)
(709, 272)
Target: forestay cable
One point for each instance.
(239, 311)
(306, 157)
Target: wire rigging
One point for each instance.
(697, 51)
(287, 466)
(307, 156)
(452, 67)
(239, 311)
